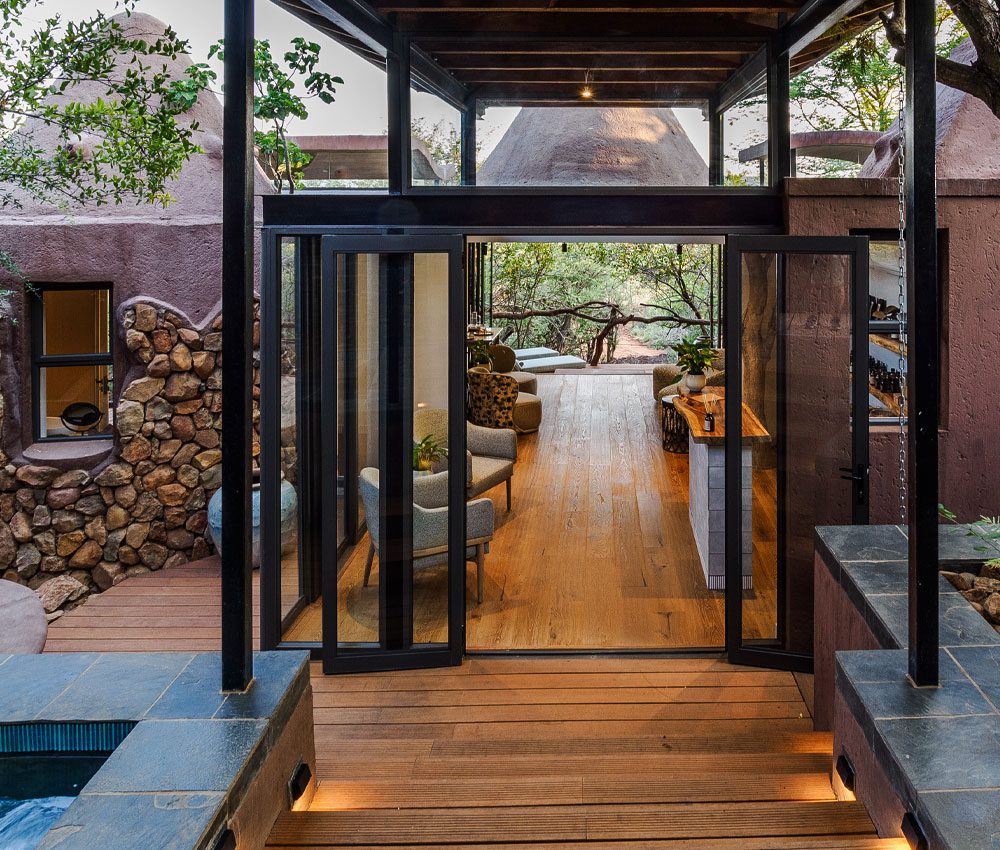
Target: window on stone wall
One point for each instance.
(71, 361)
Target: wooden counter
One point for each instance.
(692, 408)
(707, 483)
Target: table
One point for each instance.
(706, 482)
(673, 426)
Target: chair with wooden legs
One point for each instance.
(430, 524)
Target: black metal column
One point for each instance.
(716, 158)
(237, 343)
(779, 140)
(468, 141)
(395, 451)
(923, 378)
(398, 102)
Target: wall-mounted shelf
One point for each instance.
(887, 342)
(888, 400)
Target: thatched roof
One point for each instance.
(594, 146)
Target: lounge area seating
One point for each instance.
(505, 363)
(495, 401)
(430, 523)
(523, 354)
(490, 452)
(550, 364)
(668, 378)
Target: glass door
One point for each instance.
(392, 328)
(796, 430)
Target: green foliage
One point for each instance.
(986, 528)
(635, 279)
(277, 102)
(479, 353)
(694, 354)
(125, 144)
(428, 451)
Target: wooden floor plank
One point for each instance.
(809, 842)
(572, 823)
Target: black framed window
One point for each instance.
(72, 361)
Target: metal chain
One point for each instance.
(901, 315)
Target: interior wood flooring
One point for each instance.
(597, 552)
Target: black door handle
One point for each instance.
(860, 478)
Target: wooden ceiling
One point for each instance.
(618, 52)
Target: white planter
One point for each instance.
(695, 383)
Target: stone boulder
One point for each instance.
(23, 624)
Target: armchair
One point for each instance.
(490, 452)
(668, 377)
(430, 523)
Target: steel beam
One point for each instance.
(923, 325)
(237, 342)
(468, 143)
(716, 144)
(779, 134)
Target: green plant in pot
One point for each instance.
(426, 453)
(479, 354)
(694, 355)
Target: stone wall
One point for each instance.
(69, 533)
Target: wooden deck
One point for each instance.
(533, 753)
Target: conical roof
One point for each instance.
(967, 133)
(594, 146)
(197, 191)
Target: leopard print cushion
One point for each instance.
(491, 399)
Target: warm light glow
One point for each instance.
(587, 93)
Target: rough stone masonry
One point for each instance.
(66, 534)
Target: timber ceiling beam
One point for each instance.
(592, 77)
(461, 63)
(498, 45)
(596, 25)
(548, 7)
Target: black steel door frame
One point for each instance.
(395, 648)
(856, 247)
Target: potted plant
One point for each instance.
(426, 453)
(479, 354)
(694, 356)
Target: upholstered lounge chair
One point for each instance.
(495, 401)
(430, 523)
(669, 377)
(505, 363)
(490, 452)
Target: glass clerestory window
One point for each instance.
(72, 361)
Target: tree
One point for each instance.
(89, 114)
(125, 143)
(857, 86)
(981, 19)
(276, 103)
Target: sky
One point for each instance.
(360, 105)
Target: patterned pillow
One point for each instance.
(491, 399)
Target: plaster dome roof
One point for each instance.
(196, 191)
(967, 131)
(594, 146)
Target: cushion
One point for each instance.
(527, 413)
(526, 382)
(487, 472)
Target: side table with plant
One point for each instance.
(694, 355)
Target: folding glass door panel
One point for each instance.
(393, 358)
(796, 430)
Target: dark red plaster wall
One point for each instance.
(969, 210)
(175, 263)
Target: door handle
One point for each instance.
(859, 475)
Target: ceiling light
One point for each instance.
(587, 93)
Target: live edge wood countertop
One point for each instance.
(692, 407)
